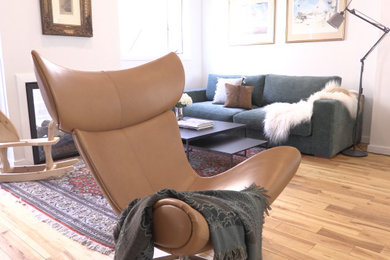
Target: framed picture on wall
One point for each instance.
(39, 119)
(251, 22)
(307, 20)
(66, 17)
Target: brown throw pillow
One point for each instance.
(238, 96)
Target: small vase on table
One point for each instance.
(184, 101)
(179, 113)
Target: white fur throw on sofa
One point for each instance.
(281, 117)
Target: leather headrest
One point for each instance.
(108, 100)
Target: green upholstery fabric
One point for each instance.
(208, 110)
(303, 129)
(257, 81)
(291, 89)
(197, 95)
(331, 130)
(328, 133)
(254, 120)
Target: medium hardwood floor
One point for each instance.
(335, 208)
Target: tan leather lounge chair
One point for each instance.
(124, 128)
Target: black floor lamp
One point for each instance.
(335, 21)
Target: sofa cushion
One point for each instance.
(238, 96)
(212, 84)
(257, 81)
(220, 92)
(291, 89)
(254, 120)
(208, 110)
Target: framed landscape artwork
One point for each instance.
(251, 22)
(307, 20)
(66, 17)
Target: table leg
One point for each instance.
(187, 149)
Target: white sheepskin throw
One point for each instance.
(281, 117)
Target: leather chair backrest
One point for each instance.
(122, 124)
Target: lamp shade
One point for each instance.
(336, 20)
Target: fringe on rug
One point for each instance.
(85, 241)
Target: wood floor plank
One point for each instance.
(369, 245)
(320, 252)
(316, 238)
(16, 248)
(362, 253)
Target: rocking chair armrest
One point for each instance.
(178, 228)
(30, 142)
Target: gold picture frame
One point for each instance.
(251, 22)
(66, 17)
(307, 20)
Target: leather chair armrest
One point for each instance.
(178, 228)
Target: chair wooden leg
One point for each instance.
(4, 160)
(48, 157)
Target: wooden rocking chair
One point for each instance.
(10, 138)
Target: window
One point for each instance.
(150, 28)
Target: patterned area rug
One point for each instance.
(75, 205)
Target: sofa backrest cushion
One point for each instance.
(291, 89)
(256, 81)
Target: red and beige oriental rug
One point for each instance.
(75, 205)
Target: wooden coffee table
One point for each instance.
(216, 139)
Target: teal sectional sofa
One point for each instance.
(328, 132)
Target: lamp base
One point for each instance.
(354, 153)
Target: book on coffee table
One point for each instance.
(195, 123)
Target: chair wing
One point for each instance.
(106, 100)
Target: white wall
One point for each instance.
(307, 58)
(192, 58)
(3, 100)
(20, 28)
(380, 127)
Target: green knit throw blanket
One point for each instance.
(235, 220)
